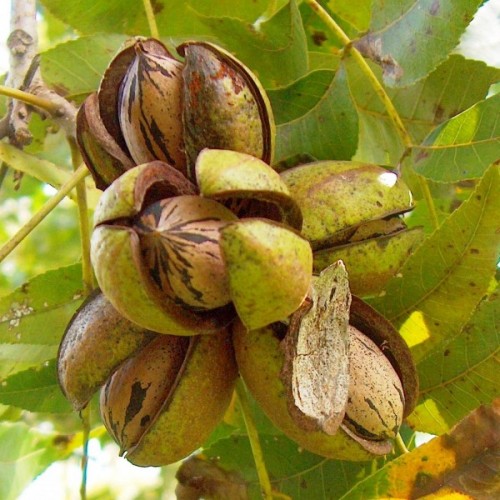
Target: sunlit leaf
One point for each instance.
(464, 375)
(434, 294)
(409, 38)
(26, 452)
(316, 116)
(35, 389)
(463, 462)
(74, 69)
(22, 356)
(463, 147)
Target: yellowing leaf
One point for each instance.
(460, 464)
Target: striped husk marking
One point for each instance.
(180, 247)
(150, 108)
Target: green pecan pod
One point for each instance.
(178, 258)
(352, 211)
(152, 106)
(338, 379)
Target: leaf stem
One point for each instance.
(150, 15)
(34, 100)
(80, 174)
(381, 93)
(83, 219)
(365, 68)
(400, 444)
(253, 436)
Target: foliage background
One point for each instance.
(445, 303)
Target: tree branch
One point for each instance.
(24, 75)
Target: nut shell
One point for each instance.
(376, 401)
(225, 106)
(96, 341)
(260, 360)
(150, 106)
(196, 402)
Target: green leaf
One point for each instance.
(438, 288)
(24, 454)
(112, 16)
(245, 10)
(35, 389)
(74, 69)
(34, 317)
(316, 116)
(276, 51)
(409, 38)
(359, 16)
(463, 147)
(24, 355)
(294, 472)
(422, 106)
(461, 377)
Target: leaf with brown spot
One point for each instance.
(463, 462)
(410, 39)
(431, 299)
